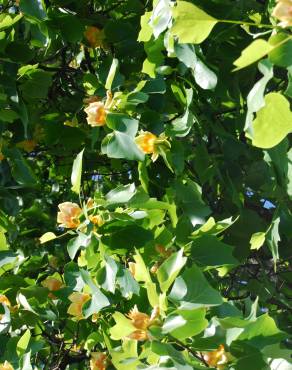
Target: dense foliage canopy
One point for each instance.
(145, 184)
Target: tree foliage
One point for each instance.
(145, 184)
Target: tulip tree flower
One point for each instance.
(78, 300)
(218, 358)
(151, 144)
(96, 114)
(4, 300)
(141, 321)
(283, 12)
(52, 284)
(94, 36)
(6, 366)
(69, 214)
(97, 110)
(98, 361)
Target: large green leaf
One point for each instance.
(122, 328)
(191, 24)
(255, 98)
(209, 251)
(33, 9)
(262, 332)
(273, 122)
(191, 290)
(185, 324)
(169, 270)
(281, 56)
(255, 51)
(20, 169)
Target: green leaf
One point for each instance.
(181, 126)
(8, 20)
(3, 242)
(122, 328)
(47, 237)
(255, 51)
(121, 144)
(262, 332)
(130, 237)
(204, 76)
(143, 175)
(19, 52)
(161, 17)
(153, 49)
(209, 251)
(281, 55)
(146, 30)
(273, 122)
(76, 173)
(23, 342)
(121, 194)
(8, 115)
(98, 302)
(191, 24)
(257, 240)
(71, 27)
(255, 98)
(36, 85)
(189, 193)
(20, 169)
(273, 238)
(169, 270)
(75, 244)
(128, 285)
(141, 273)
(111, 74)
(288, 91)
(109, 273)
(5, 319)
(185, 324)
(214, 228)
(33, 9)
(191, 290)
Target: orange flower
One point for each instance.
(218, 358)
(94, 36)
(98, 361)
(5, 300)
(52, 284)
(146, 142)
(141, 321)
(78, 300)
(283, 12)
(6, 366)
(96, 114)
(163, 251)
(96, 220)
(27, 145)
(1, 156)
(69, 215)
